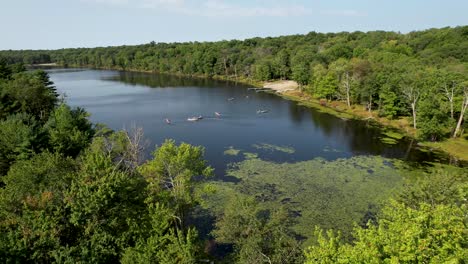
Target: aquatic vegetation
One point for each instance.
(393, 134)
(389, 140)
(330, 149)
(331, 194)
(232, 151)
(271, 147)
(249, 155)
(391, 137)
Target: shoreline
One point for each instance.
(455, 147)
(452, 147)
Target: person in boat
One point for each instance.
(195, 118)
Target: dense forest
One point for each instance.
(76, 192)
(421, 75)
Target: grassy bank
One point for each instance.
(457, 147)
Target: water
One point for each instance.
(123, 99)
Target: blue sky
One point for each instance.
(52, 24)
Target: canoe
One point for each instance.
(194, 118)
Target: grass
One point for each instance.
(458, 147)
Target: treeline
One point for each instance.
(74, 192)
(420, 75)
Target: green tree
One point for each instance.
(258, 236)
(27, 93)
(426, 223)
(33, 217)
(20, 138)
(172, 176)
(403, 235)
(263, 71)
(327, 86)
(69, 130)
(162, 242)
(106, 207)
(300, 73)
(432, 117)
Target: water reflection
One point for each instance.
(122, 98)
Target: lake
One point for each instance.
(125, 99)
(324, 170)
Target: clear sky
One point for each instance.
(52, 24)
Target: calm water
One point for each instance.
(122, 99)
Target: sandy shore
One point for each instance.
(281, 86)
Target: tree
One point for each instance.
(327, 86)
(162, 242)
(69, 130)
(432, 118)
(20, 138)
(28, 93)
(263, 71)
(412, 90)
(258, 236)
(361, 70)
(33, 223)
(404, 235)
(389, 102)
(449, 89)
(172, 174)
(426, 223)
(106, 207)
(464, 106)
(342, 69)
(300, 73)
(5, 71)
(283, 64)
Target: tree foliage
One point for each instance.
(72, 193)
(426, 223)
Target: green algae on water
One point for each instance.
(332, 194)
(249, 155)
(232, 151)
(270, 147)
(389, 141)
(393, 134)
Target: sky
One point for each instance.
(54, 24)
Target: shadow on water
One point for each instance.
(167, 80)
